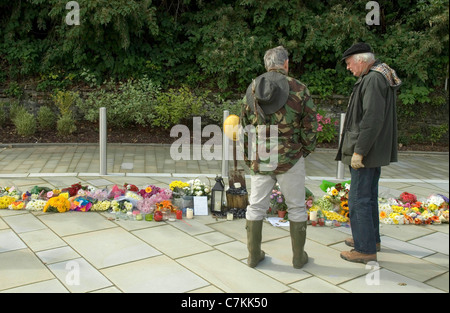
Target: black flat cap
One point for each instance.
(359, 47)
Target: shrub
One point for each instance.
(46, 118)
(66, 125)
(15, 110)
(176, 105)
(25, 124)
(65, 101)
(129, 102)
(326, 130)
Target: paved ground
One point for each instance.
(89, 252)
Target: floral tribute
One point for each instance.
(134, 203)
(127, 201)
(406, 209)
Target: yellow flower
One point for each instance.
(5, 201)
(148, 189)
(58, 204)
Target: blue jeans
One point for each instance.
(363, 208)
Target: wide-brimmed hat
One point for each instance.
(271, 92)
(360, 47)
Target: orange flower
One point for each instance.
(408, 218)
(165, 205)
(382, 214)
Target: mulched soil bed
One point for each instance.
(88, 133)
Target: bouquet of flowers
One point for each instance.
(165, 206)
(199, 188)
(59, 204)
(5, 201)
(81, 204)
(101, 206)
(73, 190)
(116, 192)
(277, 200)
(180, 188)
(17, 205)
(36, 205)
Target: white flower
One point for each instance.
(128, 205)
(36, 205)
(435, 199)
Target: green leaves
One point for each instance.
(220, 44)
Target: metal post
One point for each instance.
(102, 140)
(340, 166)
(225, 146)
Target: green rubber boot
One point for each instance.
(254, 237)
(298, 239)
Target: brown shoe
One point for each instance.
(358, 257)
(349, 242)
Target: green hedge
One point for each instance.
(218, 45)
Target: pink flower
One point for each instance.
(327, 120)
(319, 128)
(319, 117)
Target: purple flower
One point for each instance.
(444, 197)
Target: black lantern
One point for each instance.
(217, 195)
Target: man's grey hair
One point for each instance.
(366, 57)
(275, 58)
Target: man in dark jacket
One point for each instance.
(369, 141)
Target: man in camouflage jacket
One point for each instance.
(279, 130)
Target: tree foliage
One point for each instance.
(219, 43)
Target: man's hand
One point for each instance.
(356, 162)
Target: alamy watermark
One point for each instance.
(73, 274)
(373, 17)
(373, 277)
(262, 143)
(73, 17)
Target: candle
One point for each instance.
(189, 213)
(313, 216)
(229, 216)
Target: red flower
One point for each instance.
(408, 197)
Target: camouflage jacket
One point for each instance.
(274, 143)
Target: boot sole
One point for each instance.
(359, 260)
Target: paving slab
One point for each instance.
(94, 252)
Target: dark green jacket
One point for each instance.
(370, 126)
